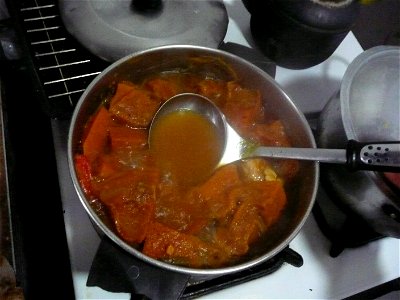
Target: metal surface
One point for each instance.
(371, 116)
(115, 28)
(222, 65)
(334, 156)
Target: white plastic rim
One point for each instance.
(370, 95)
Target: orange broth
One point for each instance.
(187, 145)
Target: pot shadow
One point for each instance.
(312, 88)
(311, 93)
(241, 17)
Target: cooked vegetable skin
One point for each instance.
(204, 225)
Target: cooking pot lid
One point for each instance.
(369, 95)
(112, 29)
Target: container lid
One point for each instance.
(112, 29)
(370, 95)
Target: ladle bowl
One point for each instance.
(378, 156)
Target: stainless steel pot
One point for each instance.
(365, 109)
(141, 64)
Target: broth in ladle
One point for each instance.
(186, 145)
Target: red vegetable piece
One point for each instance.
(84, 174)
(97, 135)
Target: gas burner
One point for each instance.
(342, 227)
(114, 270)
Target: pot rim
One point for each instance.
(187, 270)
(352, 71)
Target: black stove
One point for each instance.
(343, 228)
(116, 271)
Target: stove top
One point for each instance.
(116, 271)
(331, 269)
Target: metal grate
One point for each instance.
(64, 68)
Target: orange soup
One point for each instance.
(186, 145)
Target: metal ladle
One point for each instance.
(372, 156)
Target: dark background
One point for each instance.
(378, 24)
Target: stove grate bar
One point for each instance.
(37, 7)
(48, 41)
(54, 52)
(71, 78)
(67, 94)
(40, 18)
(63, 67)
(43, 29)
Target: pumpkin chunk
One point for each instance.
(131, 185)
(126, 138)
(245, 227)
(261, 203)
(243, 107)
(132, 218)
(163, 88)
(167, 244)
(214, 90)
(123, 88)
(136, 108)
(212, 193)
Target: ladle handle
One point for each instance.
(373, 156)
